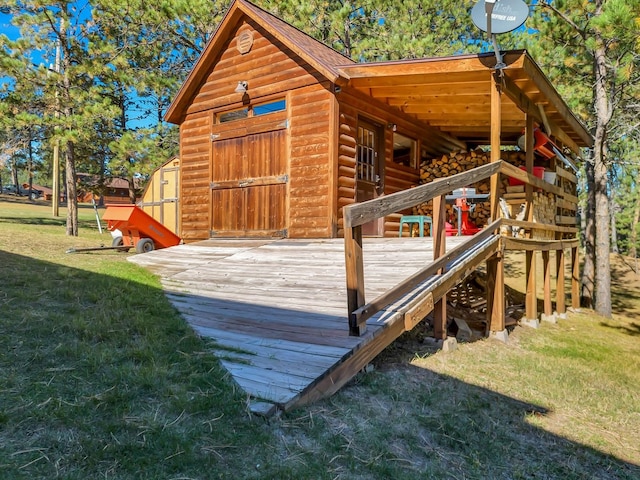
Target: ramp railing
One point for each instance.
(358, 214)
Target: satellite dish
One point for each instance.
(506, 15)
(499, 16)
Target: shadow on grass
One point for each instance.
(626, 300)
(407, 421)
(99, 374)
(46, 221)
(467, 431)
(632, 329)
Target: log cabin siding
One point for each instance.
(272, 72)
(310, 205)
(396, 177)
(269, 68)
(195, 146)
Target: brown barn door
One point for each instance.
(249, 186)
(369, 163)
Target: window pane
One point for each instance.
(271, 107)
(234, 115)
(404, 150)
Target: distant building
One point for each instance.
(110, 190)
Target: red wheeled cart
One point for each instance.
(137, 229)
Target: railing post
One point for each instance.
(575, 278)
(560, 293)
(546, 274)
(496, 301)
(531, 298)
(439, 249)
(355, 275)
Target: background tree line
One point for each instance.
(95, 77)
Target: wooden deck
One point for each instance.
(277, 309)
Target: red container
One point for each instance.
(138, 228)
(537, 171)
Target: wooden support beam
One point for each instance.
(520, 98)
(531, 299)
(529, 157)
(528, 244)
(439, 249)
(355, 275)
(496, 122)
(540, 226)
(496, 302)
(575, 278)
(560, 292)
(546, 274)
(547, 89)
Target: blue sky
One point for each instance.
(6, 28)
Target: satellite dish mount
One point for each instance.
(499, 16)
(488, 8)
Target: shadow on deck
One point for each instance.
(276, 310)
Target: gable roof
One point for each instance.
(319, 56)
(449, 93)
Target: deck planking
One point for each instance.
(276, 309)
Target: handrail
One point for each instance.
(358, 214)
(365, 312)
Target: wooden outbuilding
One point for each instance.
(279, 132)
(283, 137)
(161, 195)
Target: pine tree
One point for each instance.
(589, 47)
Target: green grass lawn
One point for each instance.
(101, 378)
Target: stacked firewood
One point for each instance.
(458, 162)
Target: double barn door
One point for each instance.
(249, 186)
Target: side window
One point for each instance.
(405, 150)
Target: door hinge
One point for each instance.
(215, 136)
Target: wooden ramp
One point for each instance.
(277, 309)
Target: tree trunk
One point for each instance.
(14, 176)
(603, 116)
(614, 230)
(633, 234)
(589, 238)
(72, 193)
(30, 164)
(132, 190)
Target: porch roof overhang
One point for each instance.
(453, 94)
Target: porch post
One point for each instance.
(439, 249)
(496, 121)
(495, 265)
(531, 298)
